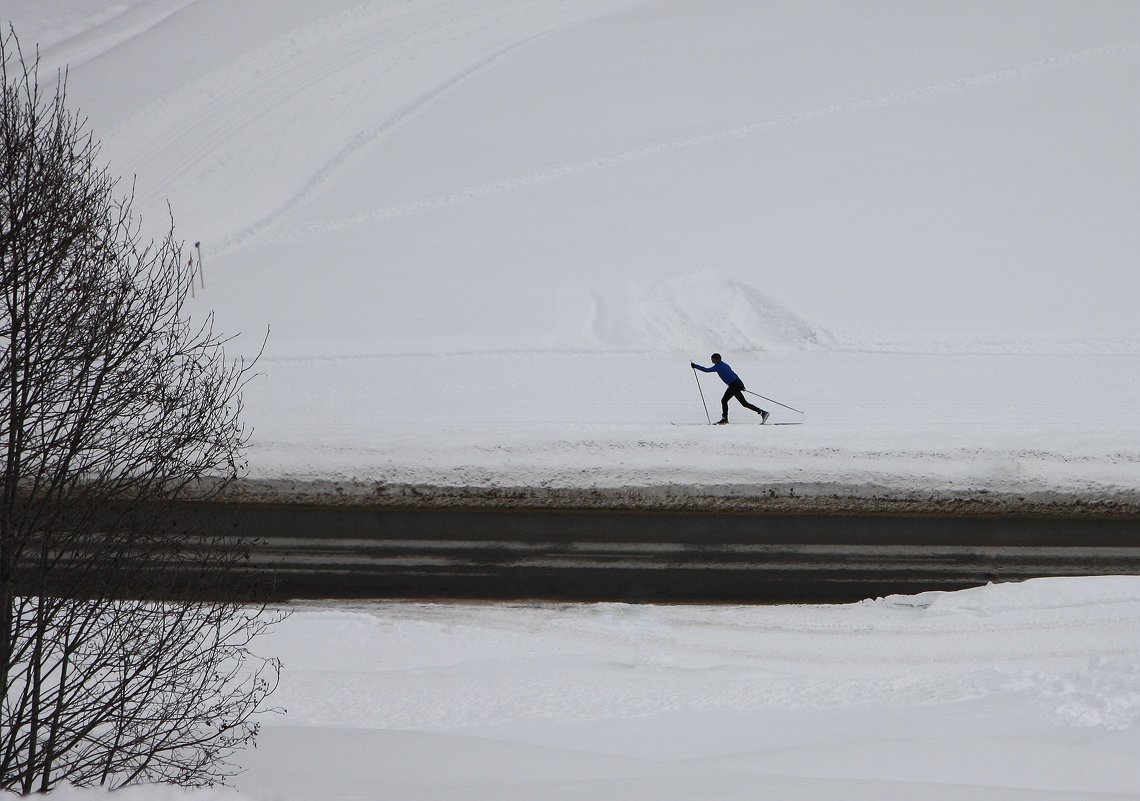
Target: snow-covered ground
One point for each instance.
(487, 238)
(1026, 692)
(1007, 691)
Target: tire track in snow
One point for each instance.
(548, 175)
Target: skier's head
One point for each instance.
(716, 358)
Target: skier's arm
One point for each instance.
(696, 366)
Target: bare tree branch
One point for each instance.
(124, 634)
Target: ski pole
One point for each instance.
(704, 405)
(758, 395)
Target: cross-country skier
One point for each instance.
(735, 389)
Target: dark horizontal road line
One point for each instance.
(562, 555)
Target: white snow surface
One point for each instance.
(486, 238)
(1018, 692)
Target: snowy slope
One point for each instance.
(488, 237)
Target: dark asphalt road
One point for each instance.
(638, 556)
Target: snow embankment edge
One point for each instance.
(807, 499)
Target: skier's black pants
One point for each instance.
(735, 390)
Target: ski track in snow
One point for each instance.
(113, 28)
(280, 76)
(462, 196)
(364, 41)
(369, 135)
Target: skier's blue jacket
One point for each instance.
(723, 370)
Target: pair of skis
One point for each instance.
(708, 417)
(782, 423)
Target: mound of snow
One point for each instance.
(704, 306)
(1032, 594)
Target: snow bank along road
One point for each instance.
(370, 551)
(1010, 692)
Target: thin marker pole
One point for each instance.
(201, 271)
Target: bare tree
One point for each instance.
(124, 632)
